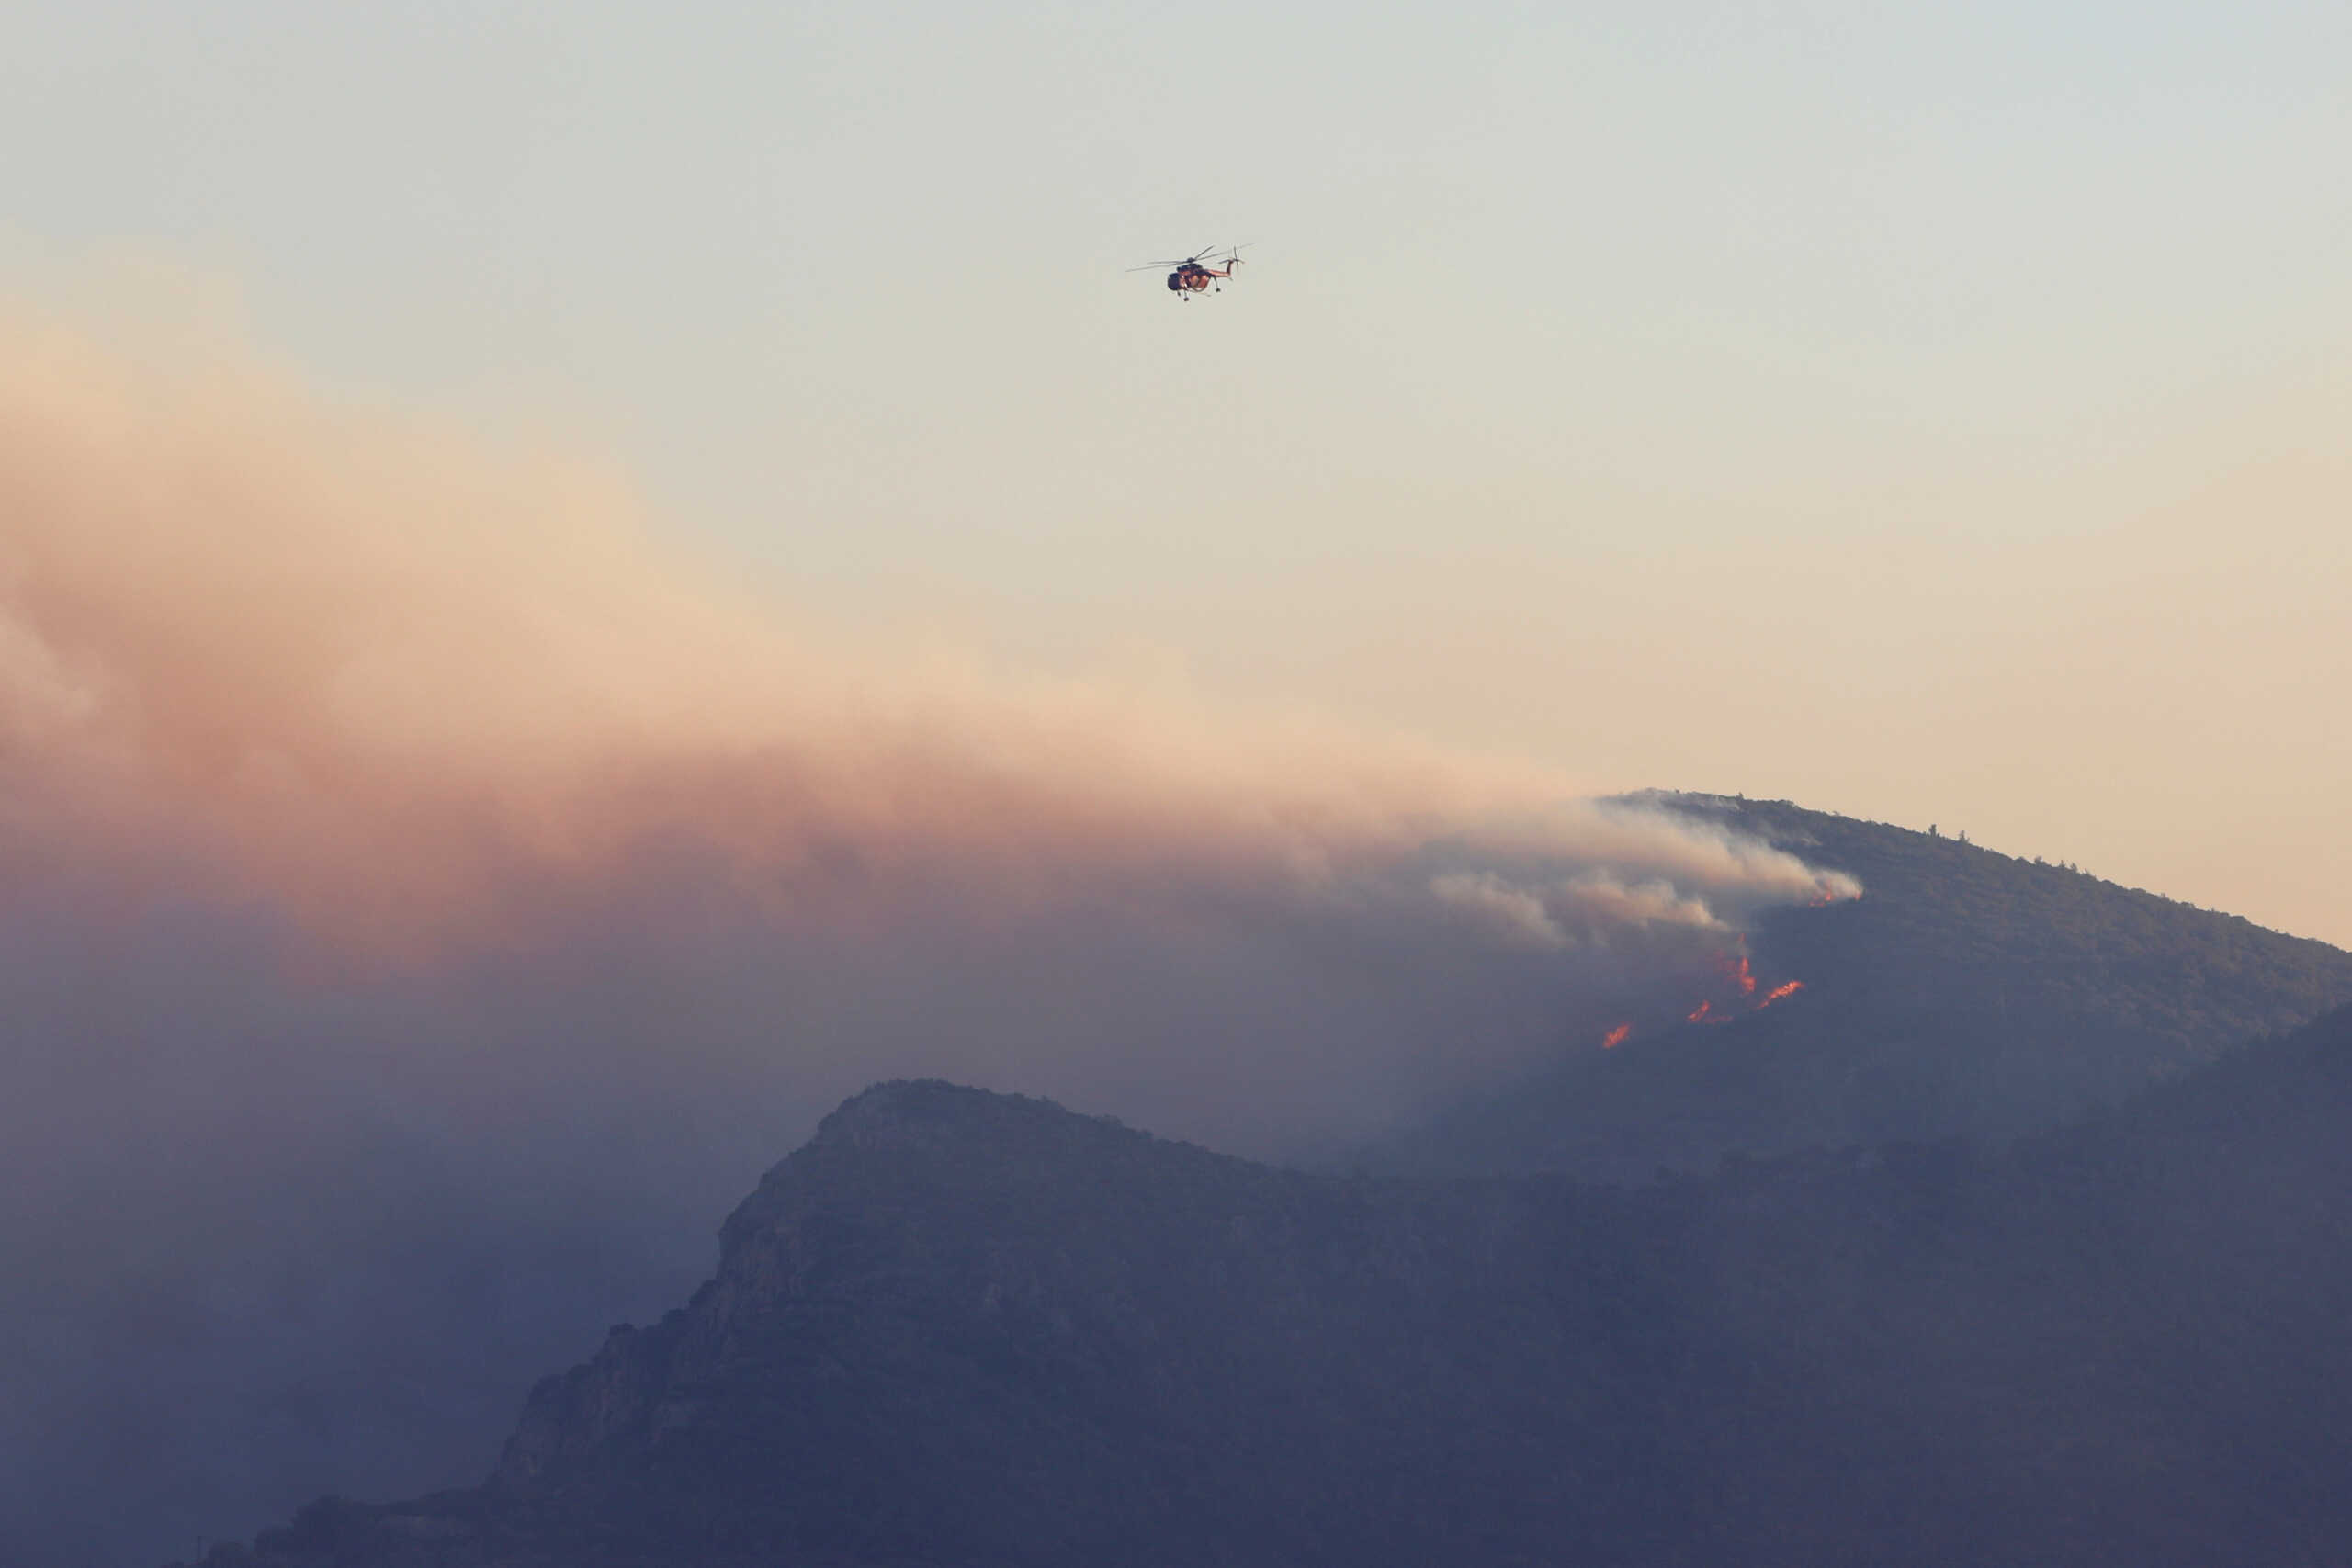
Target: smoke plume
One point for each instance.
(428, 901)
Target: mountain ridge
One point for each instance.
(963, 1327)
(1965, 992)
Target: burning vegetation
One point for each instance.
(1739, 996)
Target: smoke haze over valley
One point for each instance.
(429, 899)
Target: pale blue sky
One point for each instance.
(1689, 394)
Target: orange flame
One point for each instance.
(1738, 974)
(1616, 1037)
(1739, 978)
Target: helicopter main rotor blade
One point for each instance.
(1194, 259)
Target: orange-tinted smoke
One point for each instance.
(412, 691)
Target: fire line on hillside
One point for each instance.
(1741, 978)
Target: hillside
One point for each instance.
(1965, 992)
(976, 1329)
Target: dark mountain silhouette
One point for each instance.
(975, 1329)
(1966, 992)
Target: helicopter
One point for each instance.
(1198, 273)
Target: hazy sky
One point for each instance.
(1935, 414)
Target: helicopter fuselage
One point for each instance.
(1194, 276)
